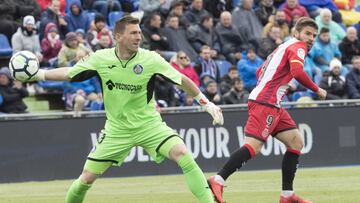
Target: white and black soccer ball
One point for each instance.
(23, 65)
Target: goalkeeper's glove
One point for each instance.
(211, 108)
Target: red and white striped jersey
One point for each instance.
(274, 74)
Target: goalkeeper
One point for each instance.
(127, 74)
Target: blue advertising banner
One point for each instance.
(57, 148)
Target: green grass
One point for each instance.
(330, 185)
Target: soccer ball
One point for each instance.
(23, 65)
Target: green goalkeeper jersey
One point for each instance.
(128, 85)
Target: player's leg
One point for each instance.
(92, 170)
(287, 133)
(110, 150)
(175, 149)
(257, 129)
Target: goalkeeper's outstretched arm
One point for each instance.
(191, 89)
(57, 74)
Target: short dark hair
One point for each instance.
(302, 22)
(204, 47)
(204, 18)
(232, 68)
(324, 30)
(176, 3)
(121, 24)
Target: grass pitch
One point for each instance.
(330, 185)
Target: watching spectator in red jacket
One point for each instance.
(293, 8)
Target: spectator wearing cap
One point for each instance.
(53, 15)
(80, 34)
(324, 50)
(70, 49)
(204, 34)
(195, 12)
(237, 94)
(247, 67)
(293, 9)
(211, 92)
(76, 18)
(232, 40)
(334, 84)
(337, 33)
(51, 44)
(12, 92)
(349, 46)
(97, 29)
(353, 79)
(26, 38)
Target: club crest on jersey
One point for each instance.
(138, 69)
(301, 53)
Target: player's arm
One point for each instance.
(191, 89)
(296, 60)
(58, 74)
(82, 70)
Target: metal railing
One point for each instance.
(186, 109)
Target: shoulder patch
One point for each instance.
(301, 53)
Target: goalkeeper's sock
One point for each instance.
(289, 165)
(237, 160)
(195, 179)
(77, 192)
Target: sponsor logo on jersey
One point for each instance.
(111, 67)
(301, 53)
(133, 89)
(138, 69)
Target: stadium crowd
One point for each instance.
(218, 44)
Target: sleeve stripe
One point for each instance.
(298, 61)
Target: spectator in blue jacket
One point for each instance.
(247, 68)
(324, 50)
(78, 95)
(353, 79)
(77, 18)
